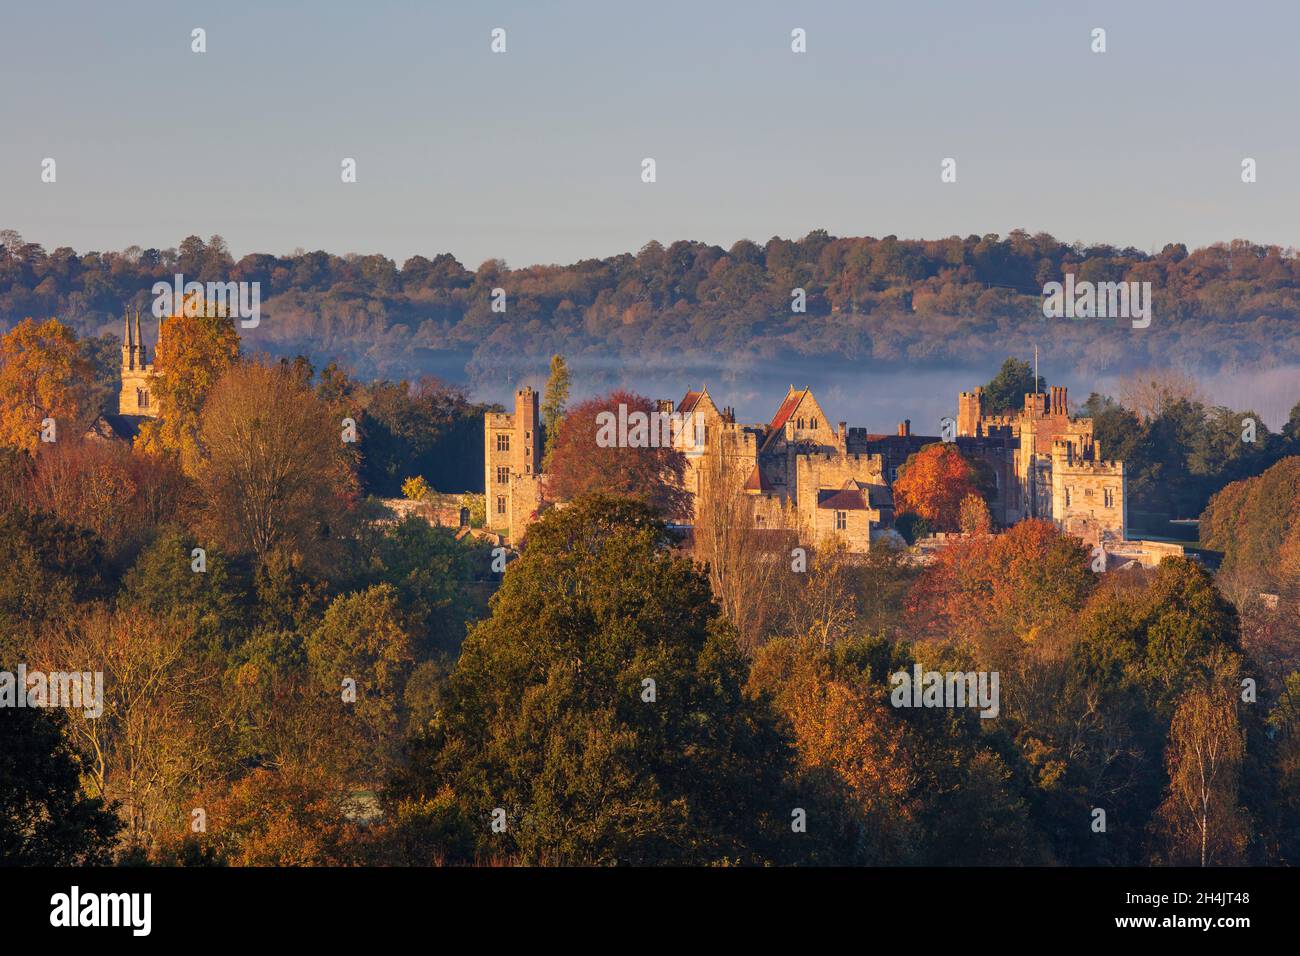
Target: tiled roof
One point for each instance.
(782, 416)
(688, 403)
(756, 481)
(845, 499)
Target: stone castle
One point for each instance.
(512, 464)
(834, 483)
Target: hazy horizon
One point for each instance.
(533, 156)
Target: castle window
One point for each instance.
(501, 504)
(758, 521)
(812, 423)
(528, 468)
(503, 475)
(841, 520)
(142, 397)
(1110, 498)
(503, 443)
(1067, 497)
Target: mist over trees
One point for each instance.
(875, 301)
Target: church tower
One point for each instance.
(134, 399)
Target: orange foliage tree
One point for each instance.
(193, 353)
(1009, 588)
(933, 483)
(42, 375)
(292, 817)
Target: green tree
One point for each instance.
(547, 714)
(429, 569)
(47, 566)
(45, 819)
(554, 400)
(1007, 390)
(214, 603)
(361, 639)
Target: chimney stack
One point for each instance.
(905, 428)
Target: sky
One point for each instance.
(535, 155)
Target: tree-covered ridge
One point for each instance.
(885, 300)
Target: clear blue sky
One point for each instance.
(534, 156)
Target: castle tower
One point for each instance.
(970, 410)
(512, 460)
(527, 448)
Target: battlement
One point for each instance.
(1080, 466)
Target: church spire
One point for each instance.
(139, 341)
(128, 345)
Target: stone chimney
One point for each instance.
(905, 428)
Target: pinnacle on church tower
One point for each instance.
(128, 344)
(141, 359)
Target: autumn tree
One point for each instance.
(271, 466)
(852, 751)
(193, 353)
(750, 568)
(973, 515)
(108, 488)
(296, 817)
(1284, 725)
(1201, 819)
(897, 785)
(589, 459)
(934, 482)
(1248, 521)
(998, 592)
(43, 374)
(160, 732)
(822, 607)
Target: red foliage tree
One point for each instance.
(580, 463)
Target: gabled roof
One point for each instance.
(756, 481)
(855, 496)
(116, 427)
(688, 403)
(845, 499)
(783, 414)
